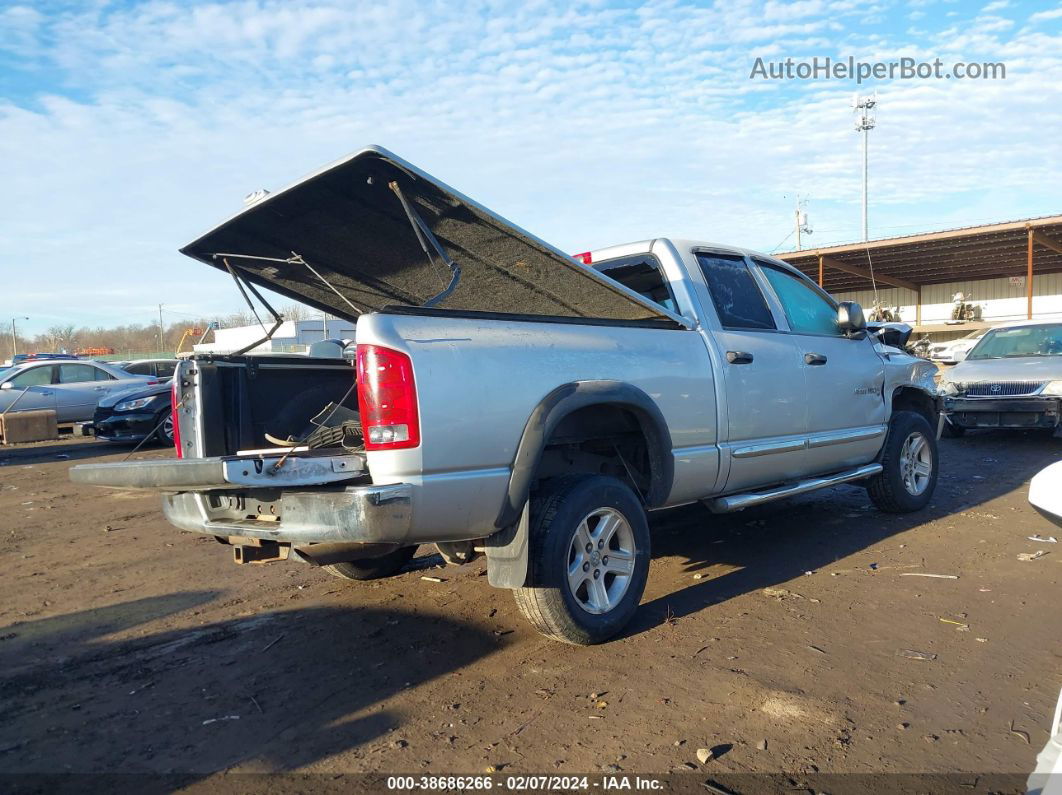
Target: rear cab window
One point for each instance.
(643, 275)
(737, 297)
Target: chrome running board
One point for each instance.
(737, 502)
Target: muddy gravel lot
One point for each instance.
(785, 637)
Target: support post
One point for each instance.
(1029, 274)
(918, 307)
(820, 270)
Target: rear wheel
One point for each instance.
(372, 568)
(589, 559)
(909, 462)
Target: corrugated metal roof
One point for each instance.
(972, 252)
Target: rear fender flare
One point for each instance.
(571, 397)
(510, 543)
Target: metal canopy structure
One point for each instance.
(1014, 248)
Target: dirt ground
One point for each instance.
(776, 636)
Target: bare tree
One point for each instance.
(297, 312)
(58, 338)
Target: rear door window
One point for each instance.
(81, 373)
(165, 369)
(737, 298)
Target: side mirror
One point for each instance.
(7, 385)
(850, 317)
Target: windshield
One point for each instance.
(5, 371)
(1002, 343)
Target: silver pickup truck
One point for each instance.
(510, 399)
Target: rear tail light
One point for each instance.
(173, 418)
(587, 258)
(387, 399)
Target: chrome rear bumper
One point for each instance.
(357, 514)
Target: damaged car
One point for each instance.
(508, 399)
(1012, 379)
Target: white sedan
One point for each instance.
(954, 351)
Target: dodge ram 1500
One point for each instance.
(508, 398)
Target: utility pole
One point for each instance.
(162, 331)
(14, 337)
(864, 124)
(801, 218)
(324, 325)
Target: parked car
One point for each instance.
(72, 389)
(1012, 378)
(954, 351)
(1046, 778)
(161, 369)
(509, 397)
(19, 358)
(132, 415)
(1045, 493)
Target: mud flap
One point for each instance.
(507, 554)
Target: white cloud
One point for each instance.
(586, 124)
(1044, 16)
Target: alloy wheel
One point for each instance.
(601, 560)
(916, 463)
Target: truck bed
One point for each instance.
(241, 399)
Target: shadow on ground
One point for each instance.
(779, 541)
(278, 690)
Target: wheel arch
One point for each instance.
(916, 399)
(582, 396)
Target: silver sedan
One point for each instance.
(71, 388)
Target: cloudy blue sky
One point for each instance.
(127, 128)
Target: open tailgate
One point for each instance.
(225, 472)
(344, 240)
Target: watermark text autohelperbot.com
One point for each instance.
(827, 68)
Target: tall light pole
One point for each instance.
(802, 225)
(864, 106)
(14, 338)
(162, 330)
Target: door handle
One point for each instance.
(814, 358)
(739, 357)
(46, 393)
(99, 388)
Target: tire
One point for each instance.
(372, 568)
(910, 462)
(952, 431)
(589, 609)
(164, 434)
